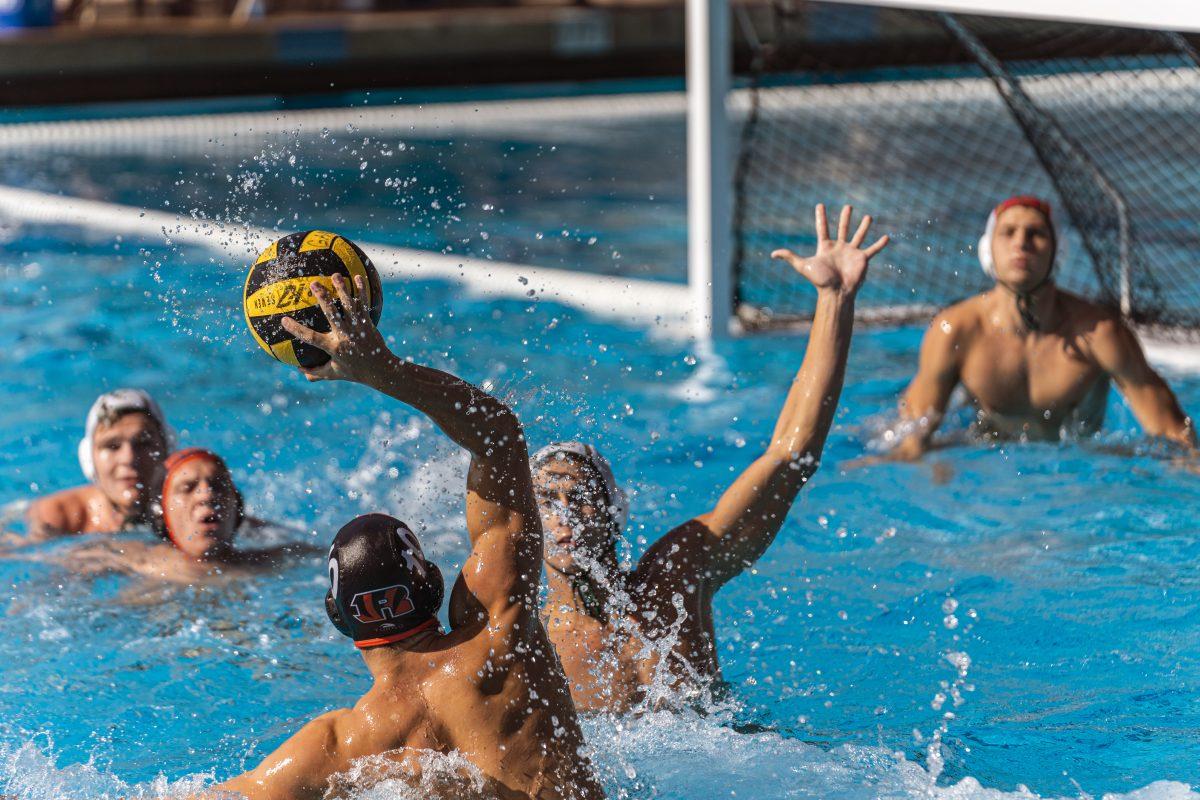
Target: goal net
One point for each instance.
(926, 120)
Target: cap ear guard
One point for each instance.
(429, 609)
(986, 258)
(119, 401)
(381, 588)
(438, 587)
(335, 616)
(86, 463)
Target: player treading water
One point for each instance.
(125, 441)
(1034, 358)
(619, 633)
(202, 516)
(491, 688)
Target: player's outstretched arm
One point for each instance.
(1119, 353)
(752, 510)
(505, 564)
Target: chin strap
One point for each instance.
(1025, 303)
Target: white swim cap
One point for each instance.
(617, 499)
(110, 405)
(986, 259)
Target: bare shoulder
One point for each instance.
(301, 766)
(325, 727)
(1100, 326)
(961, 318)
(61, 512)
(680, 555)
(1089, 314)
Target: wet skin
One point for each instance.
(647, 634)
(1034, 383)
(202, 509)
(491, 689)
(658, 630)
(128, 454)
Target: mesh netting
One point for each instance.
(927, 120)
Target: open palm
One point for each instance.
(839, 264)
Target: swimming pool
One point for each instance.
(1043, 595)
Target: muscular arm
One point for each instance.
(751, 511)
(503, 569)
(1119, 353)
(299, 769)
(924, 401)
(502, 520)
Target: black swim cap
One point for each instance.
(382, 589)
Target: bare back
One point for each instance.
(492, 689)
(492, 693)
(463, 693)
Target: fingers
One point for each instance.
(353, 297)
(339, 286)
(844, 223)
(822, 224)
(334, 315)
(360, 295)
(880, 243)
(787, 255)
(304, 333)
(860, 235)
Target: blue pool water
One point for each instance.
(1044, 595)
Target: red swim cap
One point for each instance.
(175, 462)
(984, 250)
(1027, 201)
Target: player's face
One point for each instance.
(575, 517)
(201, 507)
(1022, 247)
(128, 455)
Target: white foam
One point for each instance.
(689, 756)
(662, 755)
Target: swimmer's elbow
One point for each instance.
(800, 462)
(502, 422)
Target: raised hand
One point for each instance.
(839, 265)
(355, 346)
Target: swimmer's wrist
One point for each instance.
(837, 294)
(386, 369)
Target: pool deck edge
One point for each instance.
(323, 53)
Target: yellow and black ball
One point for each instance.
(279, 285)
